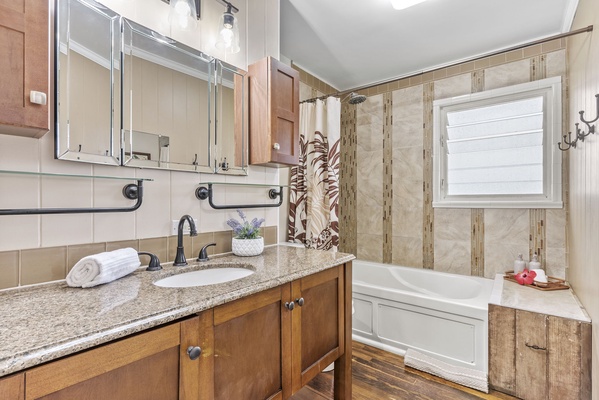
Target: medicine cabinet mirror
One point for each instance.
(87, 82)
(127, 95)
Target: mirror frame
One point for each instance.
(61, 151)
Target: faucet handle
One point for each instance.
(154, 264)
(203, 256)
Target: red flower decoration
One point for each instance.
(526, 277)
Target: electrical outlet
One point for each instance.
(175, 226)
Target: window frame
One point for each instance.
(551, 90)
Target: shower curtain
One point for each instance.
(314, 183)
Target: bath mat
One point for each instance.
(461, 375)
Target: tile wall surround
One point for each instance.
(31, 266)
(479, 242)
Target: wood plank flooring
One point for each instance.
(379, 375)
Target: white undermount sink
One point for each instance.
(204, 277)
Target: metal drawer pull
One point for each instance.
(534, 347)
(300, 301)
(290, 305)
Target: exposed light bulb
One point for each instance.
(402, 4)
(182, 14)
(227, 35)
(182, 8)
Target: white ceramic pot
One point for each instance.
(248, 247)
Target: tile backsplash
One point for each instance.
(30, 266)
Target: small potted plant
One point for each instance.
(246, 240)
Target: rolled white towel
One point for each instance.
(103, 268)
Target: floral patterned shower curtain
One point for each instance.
(314, 184)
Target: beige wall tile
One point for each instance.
(500, 257)
(156, 246)
(452, 224)
(455, 70)
(407, 163)
(407, 117)
(121, 244)
(43, 265)
(408, 193)
(9, 269)
(556, 262)
(202, 240)
(270, 235)
(77, 252)
(407, 222)
(223, 242)
(551, 46)
(452, 256)
(440, 74)
(507, 226)
(556, 64)
(305, 91)
(531, 51)
(370, 247)
(555, 228)
(467, 67)
(497, 60)
(18, 232)
(482, 63)
(407, 251)
(454, 86)
(507, 74)
(513, 55)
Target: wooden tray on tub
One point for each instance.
(551, 284)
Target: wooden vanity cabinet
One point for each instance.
(249, 349)
(262, 347)
(317, 324)
(24, 66)
(13, 387)
(273, 113)
(538, 356)
(151, 365)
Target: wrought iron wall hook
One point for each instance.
(568, 142)
(596, 114)
(580, 134)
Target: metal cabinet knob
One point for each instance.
(194, 352)
(290, 305)
(276, 146)
(300, 301)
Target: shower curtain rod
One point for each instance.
(494, 53)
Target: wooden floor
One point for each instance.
(379, 375)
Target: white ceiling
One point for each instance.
(353, 43)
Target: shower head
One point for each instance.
(355, 98)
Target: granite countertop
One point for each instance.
(559, 303)
(44, 322)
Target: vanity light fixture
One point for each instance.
(401, 4)
(184, 14)
(228, 30)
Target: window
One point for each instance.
(498, 148)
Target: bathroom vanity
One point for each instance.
(260, 337)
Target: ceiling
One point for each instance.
(354, 43)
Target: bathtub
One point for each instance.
(438, 314)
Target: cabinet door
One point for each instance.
(284, 116)
(251, 347)
(141, 367)
(13, 387)
(24, 40)
(318, 324)
(273, 113)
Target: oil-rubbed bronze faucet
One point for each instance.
(180, 257)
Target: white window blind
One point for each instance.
(497, 149)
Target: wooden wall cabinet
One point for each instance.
(273, 113)
(538, 356)
(151, 365)
(24, 67)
